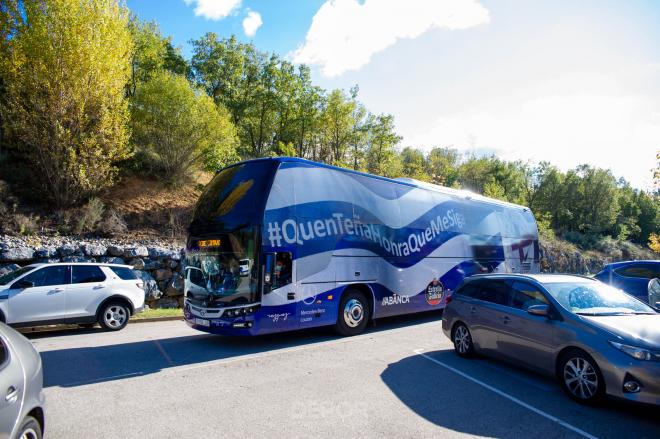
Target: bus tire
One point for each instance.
(354, 313)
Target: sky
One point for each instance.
(560, 81)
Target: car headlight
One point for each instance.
(637, 353)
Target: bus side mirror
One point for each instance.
(269, 272)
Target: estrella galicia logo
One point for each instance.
(434, 292)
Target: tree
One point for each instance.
(180, 130)
(381, 153)
(442, 166)
(414, 164)
(66, 65)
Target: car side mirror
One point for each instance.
(23, 284)
(654, 292)
(269, 272)
(539, 310)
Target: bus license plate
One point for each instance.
(201, 322)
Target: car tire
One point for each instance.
(354, 313)
(462, 339)
(114, 316)
(30, 429)
(580, 377)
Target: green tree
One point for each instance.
(382, 158)
(413, 163)
(179, 130)
(442, 166)
(66, 65)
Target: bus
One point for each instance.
(281, 244)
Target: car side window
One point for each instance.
(524, 295)
(643, 271)
(83, 274)
(494, 292)
(469, 290)
(4, 353)
(48, 276)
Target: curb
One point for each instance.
(155, 319)
(65, 327)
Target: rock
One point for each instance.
(153, 265)
(175, 286)
(163, 274)
(94, 249)
(76, 258)
(138, 263)
(157, 252)
(172, 264)
(136, 252)
(48, 260)
(45, 252)
(19, 254)
(112, 260)
(151, 291)
(6, 269)
(67, 250)
(162, 285)
(115, 250)
(175, 255)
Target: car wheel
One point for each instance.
(463, 341)
(30, 429)
(114, 316)
(353, 313)
(581, 378)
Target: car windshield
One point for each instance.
(4, 280)
(595, 298)
(222, 270)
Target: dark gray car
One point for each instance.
(594, 338)
(21, 381)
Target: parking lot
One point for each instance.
(400, 379)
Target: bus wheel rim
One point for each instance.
(353, 313)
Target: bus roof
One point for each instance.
(402, 181)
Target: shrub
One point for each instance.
(113, 224)
(26, 225)
(90, 215)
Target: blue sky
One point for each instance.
(564, 81)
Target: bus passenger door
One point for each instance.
(279, 304)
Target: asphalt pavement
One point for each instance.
(400, 379)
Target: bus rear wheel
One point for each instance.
(354, 313)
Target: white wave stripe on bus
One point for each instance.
(329, 185)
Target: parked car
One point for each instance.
(594, 338)
(21, 381)
(79, 293)
(631, 276)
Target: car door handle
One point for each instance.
(56, 290)
(98, 287)
(12, 395)
(291, 296)
(473, 309)
(505, 319)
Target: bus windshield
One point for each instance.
(223, 270)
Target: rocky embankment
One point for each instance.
(159, 263)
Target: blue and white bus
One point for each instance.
(280, 244)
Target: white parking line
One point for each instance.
(507, 396)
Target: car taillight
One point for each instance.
(449, 299)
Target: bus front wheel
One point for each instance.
(354, 313)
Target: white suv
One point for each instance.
(78, 293)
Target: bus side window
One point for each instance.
(283, 272)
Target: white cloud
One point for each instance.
(608, 131)
(214, 9)
(345, 33)
(251, 23)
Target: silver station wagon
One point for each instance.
(595, 339)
